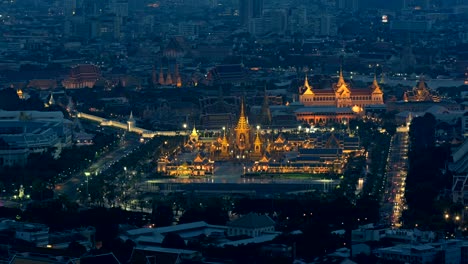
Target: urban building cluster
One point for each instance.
(247, 91)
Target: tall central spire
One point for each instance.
(375, 86)
(242, 123)
(306, 82)
(307, 87)
(341, 80)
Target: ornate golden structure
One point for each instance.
(420, 93)
(242, 131)
(341, 95)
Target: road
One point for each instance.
(69, 187)
(393, 200)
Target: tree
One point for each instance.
(75, 249)
(173, 240)
(9, 100)
(162, 215)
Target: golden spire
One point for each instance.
(375, 85)
(308, 89)
(242, 123)
(422, 83)
(306, 82)
(341, 80)
(224, 141)
(194, 132)
(257, 140)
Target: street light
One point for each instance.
(87, 175)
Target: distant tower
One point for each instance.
(249, 9)
(130, 122)
(242, 130)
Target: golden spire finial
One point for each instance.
(257, 139)
(242, 114)
(308, 88)
(194, 131)
(375, 86)
(341, 80)
(422, 83)
(243, 122)
(375, 83)
(224, 141)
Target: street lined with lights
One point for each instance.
(394, 201)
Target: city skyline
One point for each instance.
(233, 131)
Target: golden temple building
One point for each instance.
(341, 95)
(420, 93)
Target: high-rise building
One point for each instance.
(119, 7)
(348, 5)
(328, 25)
(272, 21)
(249, 9)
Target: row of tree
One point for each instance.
(426, 181)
